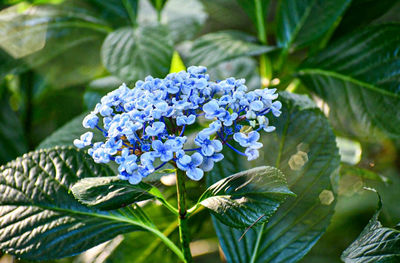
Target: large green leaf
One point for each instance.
(301, 22)
(132, 54)
(303, 147)
(214, 48)
(359, 78)
(40, 218)
(107, 193)
(248, 197)
(376, 244)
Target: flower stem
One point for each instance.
(182, 217)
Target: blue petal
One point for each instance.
(195, 174)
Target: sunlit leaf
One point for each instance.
(132, 54)
(107, 193)
(358, 77)
(248, 197)
(214, 48)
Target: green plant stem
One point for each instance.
(27, 82)
(132, 11)
(159, 7)
(182, 218)
(153, 246)
(167, 242)
(265, 62)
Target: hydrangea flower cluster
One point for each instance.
(144, 127)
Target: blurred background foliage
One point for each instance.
(57, 59)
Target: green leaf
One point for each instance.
(66, 135)
(248, 197)
(39, 217)
(376, 243)
(362, 173)
(303, 147)
(12, 139)
(176, 63)
(108, 193)
(158, 4)
(359, 79)
(183, 18)
(114, 11)
(51, 38)
(301, 22)
(361, 13)
(132, 54)
(213, 48)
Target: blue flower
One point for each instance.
(256, 105)
(113, 145)
(147, 124)
(162, 150)
(147, 160)
(176, 143)
(85, 140)
(156, 129)
(249, 140)
(251, 153)
(275, 108)
(208, 147)
(185, 120)
(128, 164)
(90, 121)
(190, 165)
(214, 127)
(213, 110)
(264, 124)
(228, 118)
(100, 155)
(208, 161)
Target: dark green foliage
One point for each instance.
(376, 244)
(301, 22)
(37, 205)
